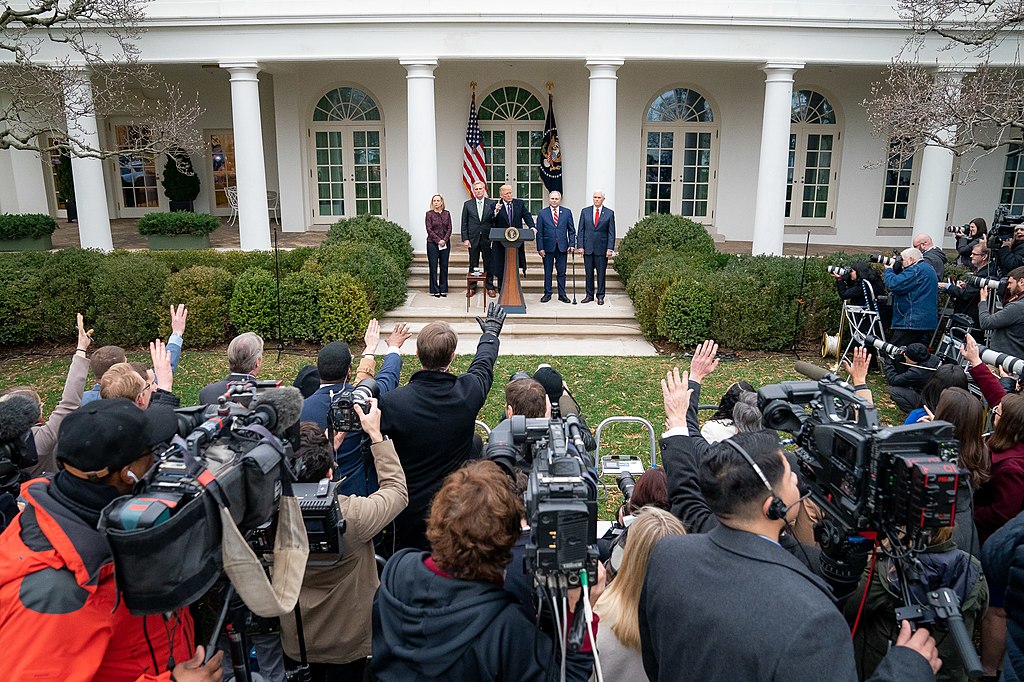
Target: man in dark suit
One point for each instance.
(744, 608)
(556, 235)
(245, 356)
(477, 221)
(596, 241)
(509, 212)
(432, 419)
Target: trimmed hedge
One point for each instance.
(656, 235)
(372, 266)
(685, 312)
(373, 230)
(26, 225)
(127, 292)
(206, 292)
(125, 295)
(180, 222)
(648, 286)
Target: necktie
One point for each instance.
(597, 214)
(508, 209)
(554, 214)
(479, 210)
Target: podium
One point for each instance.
(511, 296)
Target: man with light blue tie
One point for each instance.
(556, 235)
(595, 241)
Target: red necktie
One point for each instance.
(554, 214)
(597, 214)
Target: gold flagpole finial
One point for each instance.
(472, 84)
(550, 86)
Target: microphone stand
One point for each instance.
(800, 298)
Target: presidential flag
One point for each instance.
(474, 164)
(551, 152)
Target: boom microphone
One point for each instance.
(18, 413)
(811, 371)
(276, 409)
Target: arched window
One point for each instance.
(347, 153)
(512, 125)
(680, 139)
(813, 160)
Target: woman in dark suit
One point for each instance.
(439, 235)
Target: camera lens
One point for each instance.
(626, 484)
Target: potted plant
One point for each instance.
(26, 232)
(66, 187)
(181, 230)
(181, 184)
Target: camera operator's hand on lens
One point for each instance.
(84, 336)
(161, 364)
(179, 316)
(370, 421)
(399, 335)
(859, 368)
(494, 320)
(676, 391)
(970, 351)
(372, 336)
(704, 362)
(194, 670)
(983, 294)
(920, 641)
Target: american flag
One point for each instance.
(474, 164)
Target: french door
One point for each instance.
(347, 172)
(680, 170)
(513, 158)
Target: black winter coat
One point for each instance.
(432, 421)
(1003, 559)
(430, 627)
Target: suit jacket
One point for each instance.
(700, 620)
(472, 226)
(520, 214)
(432, 421)
(208, 394)
(548, 235)
(596, 239)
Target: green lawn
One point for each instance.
(604, 386)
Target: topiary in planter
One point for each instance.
(373, 230)
(180, 181)
(657, 234)
(179, 230)
(26, 231)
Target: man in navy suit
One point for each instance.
(556, 235)
(477, 221)
(595, 241)
(509, 212)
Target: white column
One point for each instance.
(936, 174)
(601, 132)
(422, 143)
(770, 202)
(250, 172)
(295, 203)
(90, 190)
(22, 184)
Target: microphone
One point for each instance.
(811, 371)
(18, 413)
(276, 409)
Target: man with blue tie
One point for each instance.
(595, 241)
(556, 235)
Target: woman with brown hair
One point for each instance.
(444, 614)
(619, 639)
(439, 236)
(965, 412)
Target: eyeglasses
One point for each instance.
(996, 411)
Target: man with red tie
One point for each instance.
(595, 241)
(556, 236)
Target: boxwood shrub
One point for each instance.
(128, 291)
(26, 225)
(685, 311)
(206, 292)
(179, 222)
(253, 306)
(65, 289)
(657, 234)
(373, 230)
(20, 309)
(372, 266)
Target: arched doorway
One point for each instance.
(512, 125)
(347, 156)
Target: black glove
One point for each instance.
(494, 320)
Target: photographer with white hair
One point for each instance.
(915, 299)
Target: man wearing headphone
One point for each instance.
(732, 604)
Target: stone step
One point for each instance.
(532, 288)
(422, 308)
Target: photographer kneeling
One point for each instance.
(337, 647)
(61, 616)
(444, 614)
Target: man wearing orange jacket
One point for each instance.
(61, 617)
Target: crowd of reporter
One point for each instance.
(711, 570)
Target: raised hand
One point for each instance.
(161, 358)
(372, 336)
(704, 362)
(179, 316)
(859, 368)
(84, 336)
(970, 351)
(399, 335)
(494, 321)
(676, 391)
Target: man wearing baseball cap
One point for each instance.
(60, 615)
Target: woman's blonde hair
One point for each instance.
(618, 604)
(431, 206)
